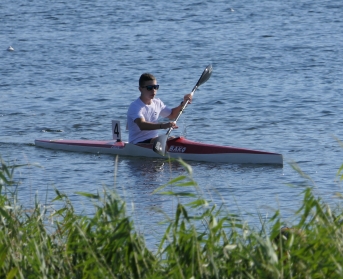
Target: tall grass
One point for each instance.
(200, 241)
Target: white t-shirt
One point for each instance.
(150, 113)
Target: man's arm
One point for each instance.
(175, 111)
(144, 125)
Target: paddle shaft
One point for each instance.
(182, 109)
(159, 145)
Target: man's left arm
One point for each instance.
(175, 111)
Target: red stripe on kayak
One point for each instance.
(182, 145)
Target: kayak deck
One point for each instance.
(176, 148)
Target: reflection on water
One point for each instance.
(141, 176)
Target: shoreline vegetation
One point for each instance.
(200, 241)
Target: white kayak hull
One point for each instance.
(176, 148)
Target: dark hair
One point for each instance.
(145, 77)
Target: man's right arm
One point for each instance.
(144, 125)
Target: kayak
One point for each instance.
(163, 147)
(178, 147)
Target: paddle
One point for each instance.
(161, 142)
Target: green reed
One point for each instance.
(201, 240)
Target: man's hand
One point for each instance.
(171, 124)
(188, 97)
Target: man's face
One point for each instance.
(149, 89)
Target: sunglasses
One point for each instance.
(151, 87)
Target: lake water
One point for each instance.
(276, 86)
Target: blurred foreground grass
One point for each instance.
(201, 241)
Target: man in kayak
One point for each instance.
(144, 112)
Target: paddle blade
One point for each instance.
(206, 74)
(159, 145)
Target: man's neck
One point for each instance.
(145, 101)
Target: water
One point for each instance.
(276, 86)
